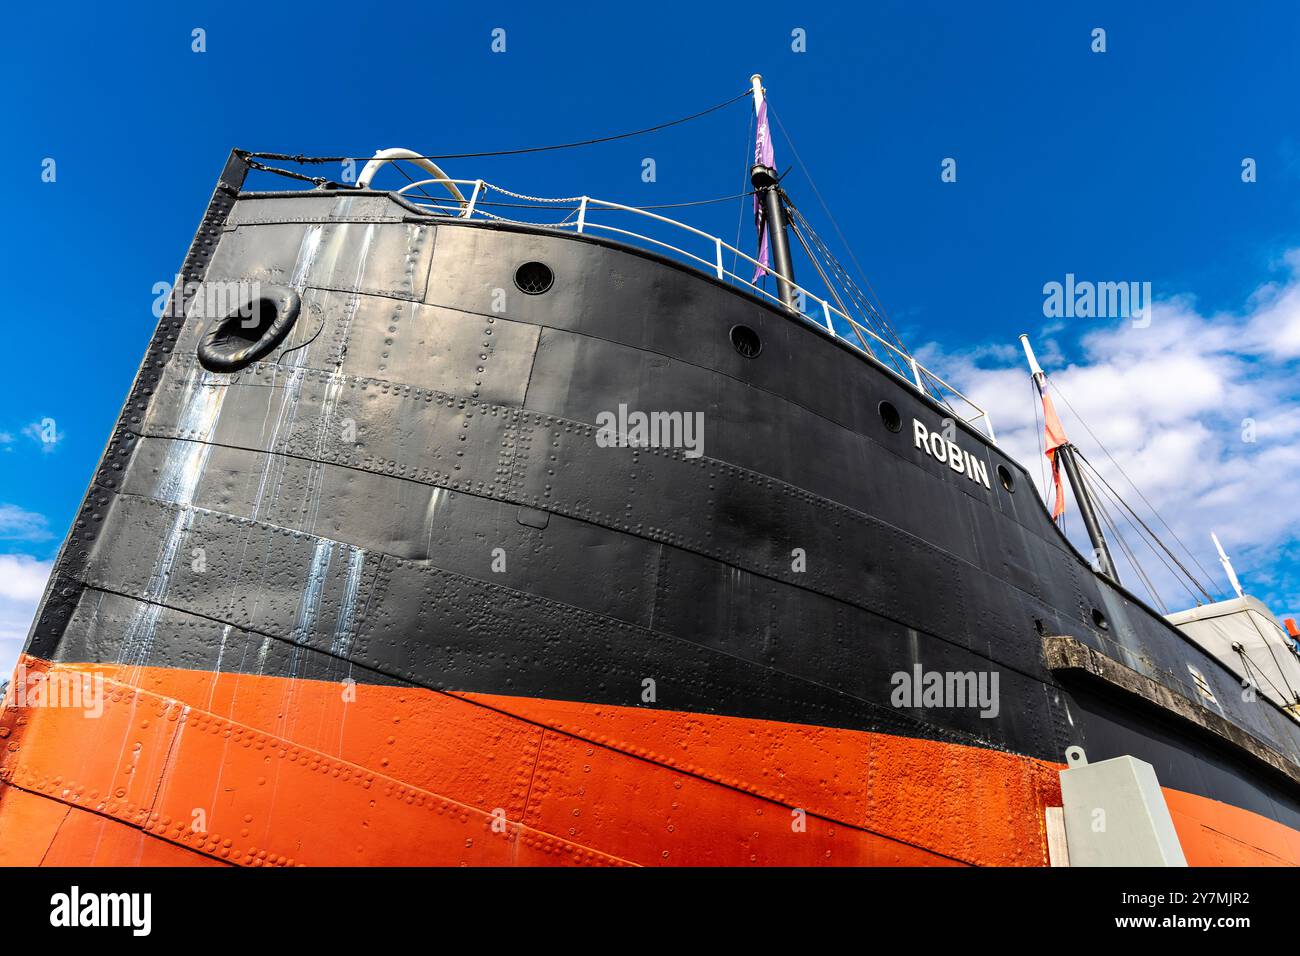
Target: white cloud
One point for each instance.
(1175, 403)
(18, 524)
(22, 582)
(22, 577)
(1274, 328)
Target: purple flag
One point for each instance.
(762, 156)
(763, 142)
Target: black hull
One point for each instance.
(349, 491)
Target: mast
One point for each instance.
(1081, 494)
(767, 185)
(1227, 566)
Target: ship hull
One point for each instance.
(199, 768)
(385, 596)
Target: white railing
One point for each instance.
(921, 379)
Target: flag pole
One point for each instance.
(1227, 566)
(1067, 453)
(768, 189)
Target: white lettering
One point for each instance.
(957, 458)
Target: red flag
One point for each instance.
(1055, 439)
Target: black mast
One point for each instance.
(1086, 511)
(1082, 495)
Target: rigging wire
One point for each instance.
(813, 259)
(898, 355)
(1269, 647)
(1133, 484)
(320, 181)
(879, 309)
(1154, 537)
(864, 309)
(797, 219)
(867, 305)
(1099, 505)
(798, 234)
(402, 170)
(1173, 574)
(305, 160)
(1041, 431)
(1106, 494)
(1126, 511)
(1133, 562)
(740, 216)
(1249, 664)
(694, 202)
(1132, 558)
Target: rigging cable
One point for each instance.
(869, 314)
(1040, 429)
(1154, 537)
(817, 265)
(1149, 538)
(1125, 511)
(864, 308)
(897, 353)
(1268, 647)
(320, 181)
(1132, 483)
(1145, 540)
(1128, 551)
(1104, 512)
(1249, 664)
(740, 216)
(831, 288)
(797, 219)
(409, 179)
(880, 311)
(305, 160)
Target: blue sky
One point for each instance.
(1123, 165)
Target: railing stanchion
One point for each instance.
(582, 214)
(473, 199)
(988, 426)
(717, 245)
(826, 311)
(916, 373)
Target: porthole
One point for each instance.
(889, 415)
(251, 330)
(1099, 620)
(746, 341)
(534, 278)
(1008, 480)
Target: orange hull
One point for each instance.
(196, 768)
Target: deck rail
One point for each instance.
(587, 215)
